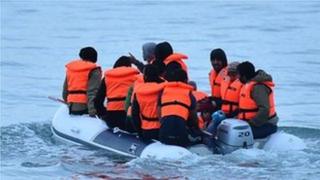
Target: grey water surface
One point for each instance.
(39, 37)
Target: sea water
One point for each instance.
(39, 37)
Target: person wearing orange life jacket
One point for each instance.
(177, 111)
(82, 81)
(219, 63)
(179, 58)
(256, 103)
(204, 106)
(128, 104)
(230, 91)
(144, 106)
(114, 88)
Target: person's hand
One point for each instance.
(92, 113)
(132, 58)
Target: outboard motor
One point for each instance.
(233, 134)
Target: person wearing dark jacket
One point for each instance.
(114, 88)
(144, 106)
(82, 81)
(256, 103)
(177, 111)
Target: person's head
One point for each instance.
(123, 61)
(246, 71)
(171, 67)
(88, 54)
(148, 51)
(232, 70)
(206, 108)
(151, 74)
(161, 67)
(162, 51)
(177, 75)
(218, 59)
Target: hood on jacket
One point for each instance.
(262, 76)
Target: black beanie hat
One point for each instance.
(220, 55)
(246, 69)
(162, 51)
(88, 54)
(123, 61)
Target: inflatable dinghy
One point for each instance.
(232, 134)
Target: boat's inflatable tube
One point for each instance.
(94, 132)
(232, 134)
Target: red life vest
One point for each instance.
(179, 58)
(118, 81)
(215, 81)
(77, 79)
(175, 100)
(147, 97)
(248, 107)
(230, 93)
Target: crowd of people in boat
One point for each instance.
(158, 100)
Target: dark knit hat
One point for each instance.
(162, 51)
(123, 61)
(88, 54)
(205, 105)
(219, 54)
(246, 69)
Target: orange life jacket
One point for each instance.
(175, 100)
(248, 107)
(139, 80)
(215, 81)
(147, 97)
(177, 57)
(230, 93)
(118, 81)
(77, 80)
(199, 95)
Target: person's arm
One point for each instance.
(136, 62)
(260, 95)
(99, 100)
(159, 106)
(65, 90)
(193, 118)
(128, 99)
(93, 86)
(136, 121)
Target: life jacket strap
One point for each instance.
(149, 118)
(77, 92)
(116, 99)
(229, 102)
(175, 103)
(248, 110)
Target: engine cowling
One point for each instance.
(233, 134)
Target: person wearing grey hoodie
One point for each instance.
(147, 53)
(256, 104)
